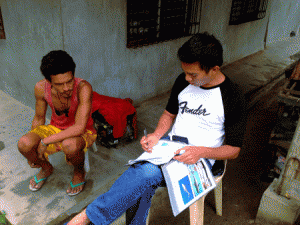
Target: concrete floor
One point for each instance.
(242, 187)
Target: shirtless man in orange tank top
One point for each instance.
(71, 127)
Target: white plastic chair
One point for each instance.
(197, 208)
(86, 157)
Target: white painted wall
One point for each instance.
(32, 28)
(95, 35)
(238, 40)
(93, 32)
(284, 18)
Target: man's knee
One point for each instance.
(27, 143)
(151, 172)
(72, 146)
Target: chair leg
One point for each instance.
(197, 209)
(218, 198)
(147, 221)
(86, 162)
(197, 212)
(94, 147)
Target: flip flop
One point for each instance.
(76, 185)
(37, 182)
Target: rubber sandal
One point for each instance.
(37, 182)
(76, 185)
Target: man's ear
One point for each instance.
(216, 68)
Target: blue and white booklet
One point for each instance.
(186, 183)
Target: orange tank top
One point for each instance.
(63, 122)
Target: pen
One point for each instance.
(180, 153)
(145, 133)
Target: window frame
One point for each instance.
(166, 15)
(243, 11)
(2, 32)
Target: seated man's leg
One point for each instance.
(135, 185)
(74, 151)
(27, 146)
(139, 212)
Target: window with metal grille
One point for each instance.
(156, 21)
(243, 11)
(2, 33)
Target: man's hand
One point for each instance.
(149, 142)
(41, 151)
(191, 155)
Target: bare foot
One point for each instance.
(33, 165)
(80, 218)
(79, 177)
(44, 172)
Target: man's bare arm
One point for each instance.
(40, 105)
(194, 153)
(165, 122)
(85, 94)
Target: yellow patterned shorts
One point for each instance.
(47, 130)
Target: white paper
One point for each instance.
(162, 153)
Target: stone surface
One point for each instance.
(277, 209)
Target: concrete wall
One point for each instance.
(32, 28)
(94, 34)
(284, 18)
(238, 40)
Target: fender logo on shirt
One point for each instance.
(198, 111)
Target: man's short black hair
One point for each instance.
(57, 62)
(204, 49)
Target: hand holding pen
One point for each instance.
(148, 141)
(145, 132)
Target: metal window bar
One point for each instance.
(155, 21)
(158, 19)
(172, 19)
(246, 11)
(194, 25)
(262, 9)
(2, 33)
(252, 6)
(142, 22)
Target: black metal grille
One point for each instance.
(2, 33)
(155, 21)
(243, 11)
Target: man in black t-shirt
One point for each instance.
(208, 112)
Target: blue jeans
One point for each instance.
(133, 189)
(135, 186)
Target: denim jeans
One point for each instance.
(135, 186)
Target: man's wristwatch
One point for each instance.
(43, 143)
